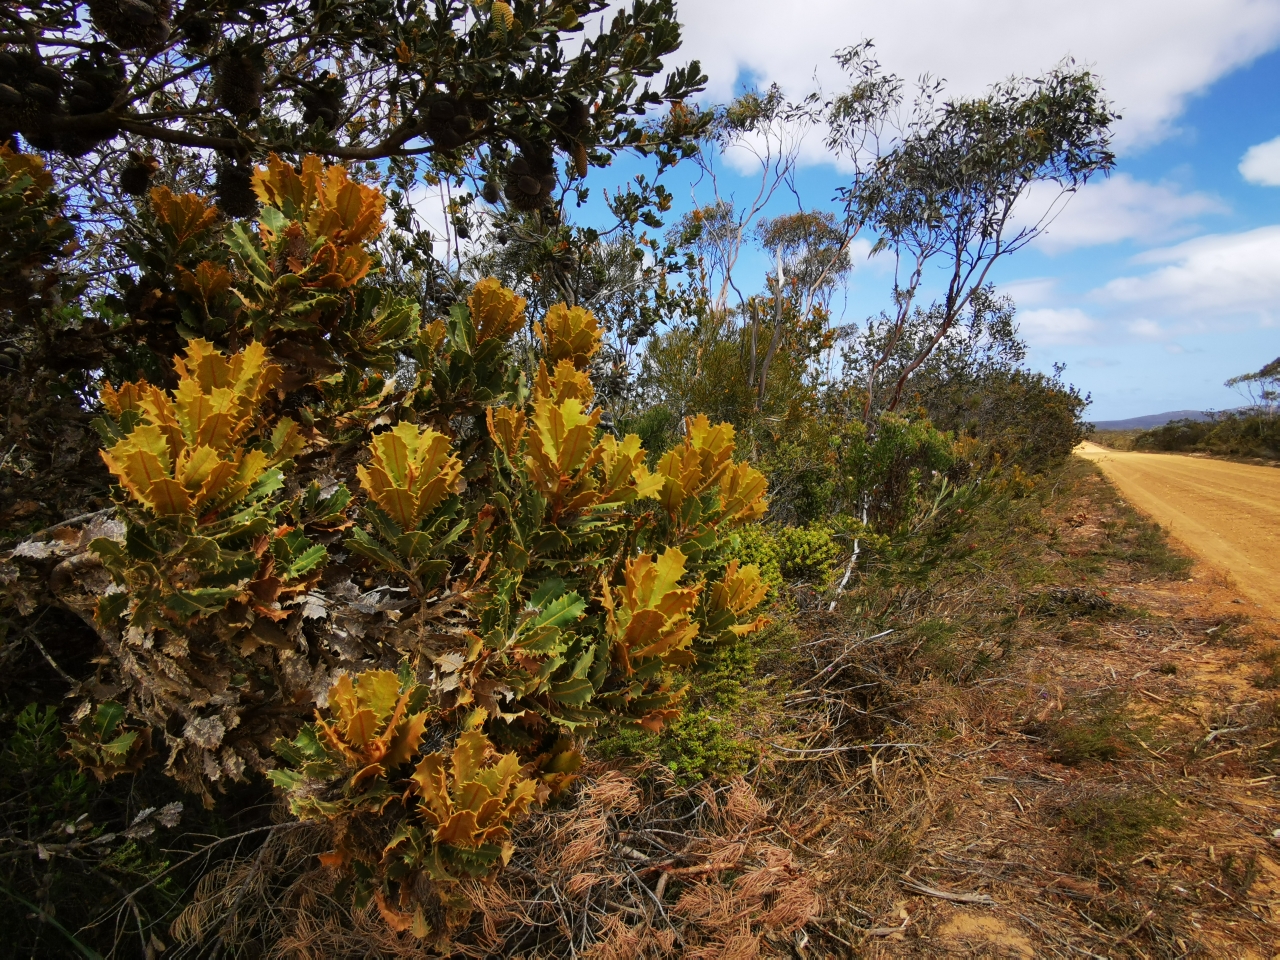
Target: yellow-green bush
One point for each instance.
(808, 554)
(507, 576)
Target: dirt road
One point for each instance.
(1226, 513)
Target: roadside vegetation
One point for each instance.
(1252, 432)
(548, 588)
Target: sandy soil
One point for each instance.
(1228, 514)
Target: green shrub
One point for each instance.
(758, 545)
(807, 554)
(532, 574)
(1235, 433)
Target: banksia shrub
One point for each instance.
(410, 474)
(104, 745)
(467, 800)
(201, 563)
(294, 280)
(376, 726)
(448, 814)
(466, 574)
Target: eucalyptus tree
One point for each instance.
(943, 197)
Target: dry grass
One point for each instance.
(1109, 783)
(1055, 745)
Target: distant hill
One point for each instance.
(1151, 420)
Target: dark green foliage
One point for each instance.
(1235, 433)
(973, 382)
(33, 232)
(1118, 823)
(1100, 730)
(712, 740)
(430, 66)
(74, 846)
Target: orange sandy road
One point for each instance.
(1227, 513)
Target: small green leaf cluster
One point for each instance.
(807, 554)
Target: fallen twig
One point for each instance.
(980, 898)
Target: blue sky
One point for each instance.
(1154, 286)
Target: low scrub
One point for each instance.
(1236, 433)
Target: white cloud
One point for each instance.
(1145, 329)
(1115, 209)
(1048, 326)
(1151, 54)
(1261, 164)
(1032, 291)
(1215, 276)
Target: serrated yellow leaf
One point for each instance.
(742, 494)
(496, 312)
(342, 698)
(491, 817)
(506, 427)
(186, 215)
(460, 828)
(361, 727)
(469, 754)
(431, 785)
(410, 473)
(647, 484)
(569, 333)
(208, 281)
(214, 488)
(405, 740)
(194, 467)
(391, 453)
(167, 497)
(128, 397)
(564, 382)
(562, 437)
(432, 335)
(473, 794)
(379, 691)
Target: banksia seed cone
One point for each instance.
(448, 120)
(136, 174)
(132, 24)
(93, 87)
(474, 107)
(238, 82)
(199, 31)
(580, 159)
(530, 179)
(321, 105)
(234, 191)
